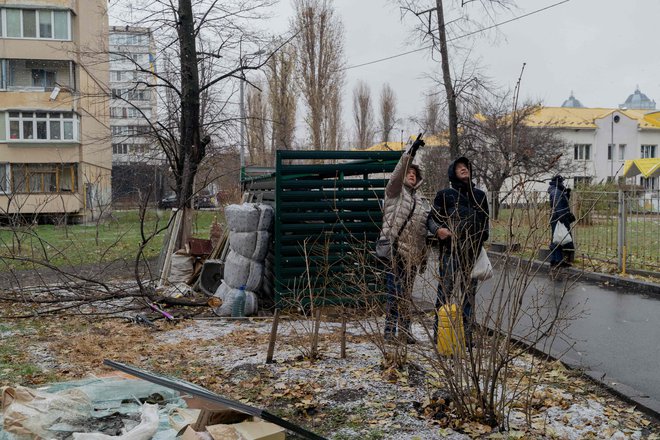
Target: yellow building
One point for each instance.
(55, 151)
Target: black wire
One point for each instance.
(458, 37)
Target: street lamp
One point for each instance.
(242, 111)
(614, 119)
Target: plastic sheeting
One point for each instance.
(109, 395)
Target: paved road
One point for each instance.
(615, 331)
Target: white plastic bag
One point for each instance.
(561, 236)
(482, 269)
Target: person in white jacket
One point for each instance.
(404, 225)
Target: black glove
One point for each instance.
(415, 146)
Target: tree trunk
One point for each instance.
(191, 150)
(449, 87)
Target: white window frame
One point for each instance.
(582, 152)
(3, 22)
(622, 151)
(23, 118)
(648, 151)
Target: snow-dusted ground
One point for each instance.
(355, 385)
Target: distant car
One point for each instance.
(168, 202)
(203, 200)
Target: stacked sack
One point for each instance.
(249, 238)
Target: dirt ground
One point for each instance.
(339, 398)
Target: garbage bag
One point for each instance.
(30, 412)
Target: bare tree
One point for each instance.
(256, 122)
(333, 124)
(202, 49)
(435, 27)
(432, 122)
(282, 98)
(320, 53)
(363, 114)
(387, 111)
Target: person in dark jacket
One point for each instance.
(560, 212)
(459, 219)
(404, 225)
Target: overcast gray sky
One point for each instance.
(600, 49)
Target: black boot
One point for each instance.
(390, 332)
(406, 330)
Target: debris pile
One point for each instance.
(225, 266)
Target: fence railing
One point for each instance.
(614, 231)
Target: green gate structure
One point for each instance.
(328, 214)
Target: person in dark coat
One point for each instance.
(560, 212)
(460, 220)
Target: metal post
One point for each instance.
(612, 146)
(242, 106)
(621, 234)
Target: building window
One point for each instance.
(622, 151)
(43, 126)
(43, 178)
(649, 183)
(649, 151)
(46, 24)
(120, 149)
(610, 148)
(582, 152)
(4, 177)
(122, 39)
(37, 75)
(582, 180)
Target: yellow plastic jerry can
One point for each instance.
(451, 337)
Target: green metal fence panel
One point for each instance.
(327, 219)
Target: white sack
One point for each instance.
(241, 271)
(181, 268)
(266, 215)
(252, 245)
(242, 218)
(261, 246)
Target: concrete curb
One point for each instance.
(642, 401)
(610, 280)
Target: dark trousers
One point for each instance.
(400, 281)
(449, 274)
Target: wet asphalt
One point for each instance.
(611, 332)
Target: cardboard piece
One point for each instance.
(191, 434)
(259, 430)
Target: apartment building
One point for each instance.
(138, 164)
(55, 154)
